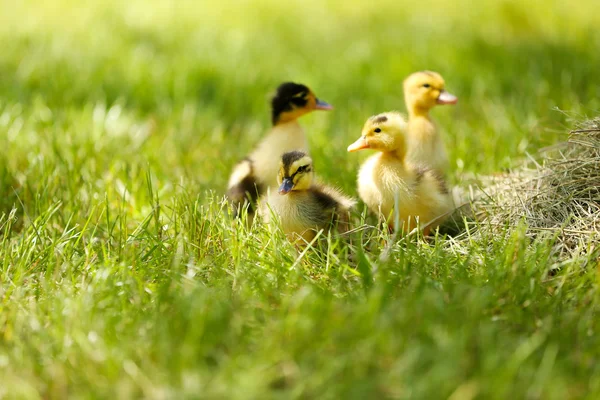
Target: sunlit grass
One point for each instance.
(123, 276)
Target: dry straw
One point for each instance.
(559, 195)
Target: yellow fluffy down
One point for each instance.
(422, 195)
(301, 214)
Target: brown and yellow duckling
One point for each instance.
(421, 191)
(256, 173)
(303, 206)
(422, 91)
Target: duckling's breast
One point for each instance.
(297, 212)
(380, 180)
(282, 139)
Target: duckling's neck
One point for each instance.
(420, 125)
(418, 113)
(287, 117)
(286, 125)
(398, 154)
(397, 151)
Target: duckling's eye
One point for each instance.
(426, 85)
(302, 168)
(377, 130)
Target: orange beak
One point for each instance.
(360, 144)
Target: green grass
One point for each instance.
(122, 277)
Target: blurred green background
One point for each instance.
(203, 72)
(121, 277)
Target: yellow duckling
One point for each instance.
(421, 192)
(423, 91)
(303, 206)
(257, 172)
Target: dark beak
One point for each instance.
(321, 105)
(286, 186)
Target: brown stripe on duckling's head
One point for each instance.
(290, 161)
(295, 172)
(287, 159)
(379, 119)
(383, 132)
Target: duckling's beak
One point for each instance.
(446, 98)
(321, 105)
(286, 186)
(360, 144)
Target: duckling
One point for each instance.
(256, 173)
(303, 206)
(421, 191)
(422, 91)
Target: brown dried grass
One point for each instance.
(557, 193)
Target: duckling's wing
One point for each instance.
(325, 202)
(433, 192)
(334, 205)
(440, 180)
(244, 187)
(343, 202)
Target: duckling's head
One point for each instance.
(383, 132)
(295, 172)
(292, 100)
(423, 90)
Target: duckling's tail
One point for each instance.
(243, 188)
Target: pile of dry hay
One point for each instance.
(559, 194)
